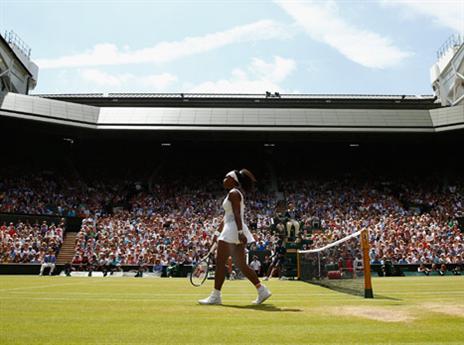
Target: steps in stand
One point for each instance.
(67, 248)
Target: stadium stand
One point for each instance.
(29, 243)
(140, 199)
(127, 223)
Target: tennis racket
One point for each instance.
(200, 271)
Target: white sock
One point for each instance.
(216, 292)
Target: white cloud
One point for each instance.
(109, 54)
(101, 78)
(258, 77)
(156, 82)
(444, 12)
(275, 71)
(323, 22)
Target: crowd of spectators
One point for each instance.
(24, 242)
(171, 222)
(407, 223)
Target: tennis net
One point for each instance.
(342, 265)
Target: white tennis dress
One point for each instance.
(229, 232)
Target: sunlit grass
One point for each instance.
(61, 310)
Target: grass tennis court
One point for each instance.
(61, 310)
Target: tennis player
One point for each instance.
(234, 236)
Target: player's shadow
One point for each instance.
(263, 307)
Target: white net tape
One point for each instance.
(333, 244)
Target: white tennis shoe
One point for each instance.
(214, 298)
(263, 294)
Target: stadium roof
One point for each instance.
(409, 114)
(265, 100)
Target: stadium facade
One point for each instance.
(237, 113)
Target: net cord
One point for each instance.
(330, 245)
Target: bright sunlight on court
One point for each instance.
(59, 310)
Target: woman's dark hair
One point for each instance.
(246, 179)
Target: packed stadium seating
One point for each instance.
(158, 206)
(29, 243)
(128, 224)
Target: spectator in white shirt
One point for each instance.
(256, 265)
(48, 261)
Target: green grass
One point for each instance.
(61, 310)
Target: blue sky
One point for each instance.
(366, 47)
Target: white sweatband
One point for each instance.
(233, 174)
(240, 232)
(217, 233)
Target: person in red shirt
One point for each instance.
(12, 230)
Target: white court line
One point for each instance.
(168, 294)
(329, 294)
(412, 293)
(41, 286)
(188, 302)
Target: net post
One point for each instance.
(368, 293)
(298, 265)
